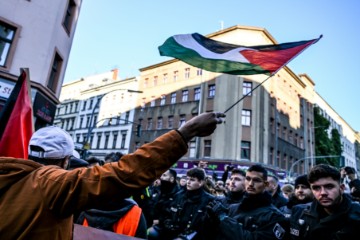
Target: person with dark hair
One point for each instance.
(162, 201)
(187, 209)
(332, 215)
(302, 195)
(253, 218)
(46, 195)
(236, 188)
(274, 189)
(354, 183)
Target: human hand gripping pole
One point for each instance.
(201, 126)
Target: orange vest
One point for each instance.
(128, 224)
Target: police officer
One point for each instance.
(332, 215)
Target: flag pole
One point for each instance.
(248, 93)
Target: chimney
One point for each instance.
(115, 73)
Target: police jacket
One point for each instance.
(38, 202)
(232, 198)
(187, 212)
(253, 218)
(309, 221)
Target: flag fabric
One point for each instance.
(215, 56)
(16, 120)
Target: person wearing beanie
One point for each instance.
(302, 195)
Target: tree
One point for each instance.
(326, 144)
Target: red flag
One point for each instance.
(16, 120)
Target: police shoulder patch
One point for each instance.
(278, 231)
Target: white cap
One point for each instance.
(56, 143)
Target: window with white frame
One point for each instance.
(247, 86)
(211, 91)
(207, 148)
(114, 141)
(152, 103)
(162, 100)
(176, 76)
(146, 82)
(7, 37)
(192, 149)
(150, 124)
(199, 72)
(182, 120)
(171, 122)
(187, 73)
(197, 94)
(155, 81)
(246, 117)
(159, 124)
(173, 98)
(123, 139)
(165, 78)
(245, 150)
(185, 95)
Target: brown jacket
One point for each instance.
(37, 202)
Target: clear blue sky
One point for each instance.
(126, 33)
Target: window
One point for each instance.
(165, 78)
(162, 100)
(187, 73)
(159, 124)
(77, 138)
(55, 72)
(245, 150)
(185, 95)
(170, 122)
(152, 103)
(176, 75)
(146, 82)
(211, 90)
(149, 124)
(207, 148)
(81, 122)
(98, 141)
(197, 93)
(87, 121)
(192, 149)
(123, 139)
(155, 81)
(182, 120)
(127, 115)
(173, 98)
(69, 15)
(83, 106)
(107, 136)
(7, 37)
(115, 136)
(246, 118)
(247, 86)
(199, 72)
(91, 103)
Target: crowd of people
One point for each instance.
(140, 195)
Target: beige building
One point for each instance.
(37, 35)
(269, 126)
(98, 112)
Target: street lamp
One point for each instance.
(91, 125)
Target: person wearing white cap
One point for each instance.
(38, 198)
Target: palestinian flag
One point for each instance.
(215, 56)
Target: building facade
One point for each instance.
(98, 112)
(37, 35)
(270, 125)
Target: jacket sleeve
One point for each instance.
(67, 191)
